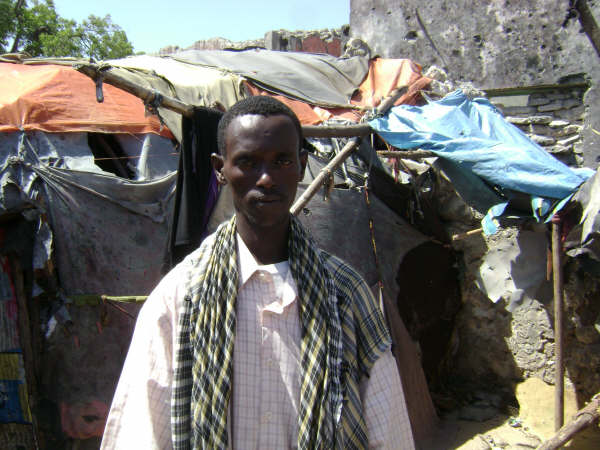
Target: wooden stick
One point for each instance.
(588, 23)
(389, 101)
(98, 299)
(149, 95)
(406, 154)
(559, 408)
(581, 420)
(95, 71)
(341, 156)
(325, 172)
(458, 237)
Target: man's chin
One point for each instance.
(266, 221)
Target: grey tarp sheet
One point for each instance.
(109, 232)
(108, 237)
(318, 79)
(192, 84)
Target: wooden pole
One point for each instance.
(325, 172)
(312, 189)
(149, 96)
(582, 419)
(558, 324)
(406, 154)
(588, 23)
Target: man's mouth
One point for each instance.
(271, 198)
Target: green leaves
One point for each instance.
(34, 27)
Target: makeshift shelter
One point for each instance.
(84, 235)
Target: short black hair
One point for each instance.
(261, 105)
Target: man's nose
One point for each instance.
(265, 178)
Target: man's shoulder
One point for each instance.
(197, 258)
(345, 277)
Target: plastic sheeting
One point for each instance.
(57, 98)
(314, 78)
(88, 208)
(474, 137)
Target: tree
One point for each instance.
(35, 28)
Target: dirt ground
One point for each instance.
(501, 432)
(530, 425)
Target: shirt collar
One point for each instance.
(248, 264)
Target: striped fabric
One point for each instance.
(343, 334)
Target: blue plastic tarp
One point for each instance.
(473, 135)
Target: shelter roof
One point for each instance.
(56, 98)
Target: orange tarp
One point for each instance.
(57, 98)
(383, 77)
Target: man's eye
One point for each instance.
(244, 163)
(284, 162)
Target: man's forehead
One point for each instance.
(250, 121)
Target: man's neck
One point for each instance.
(267, 245)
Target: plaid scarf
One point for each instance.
(204, 355)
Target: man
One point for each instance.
(259, 339)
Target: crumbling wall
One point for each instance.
(538, 67)
(552, 116)
(330, 41)
(497, 44)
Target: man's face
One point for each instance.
(263, 166)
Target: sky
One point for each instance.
(152, 24)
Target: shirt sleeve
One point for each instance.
(140, 414)
(385, 412)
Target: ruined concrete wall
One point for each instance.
(330, 41)
(494, 44)
(505, 336)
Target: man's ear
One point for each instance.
(217, 163)
(303, 162)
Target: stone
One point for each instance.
(542, 140)
(558, 123)
(543, 130)
(538, 101)
(540, 120)
(518, 120)
(569, 130)
(553, 106)
(512, 110)
(557, 95)
(559, 150)
(569, 141)
(570, 103)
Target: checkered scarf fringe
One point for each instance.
(204, 353)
